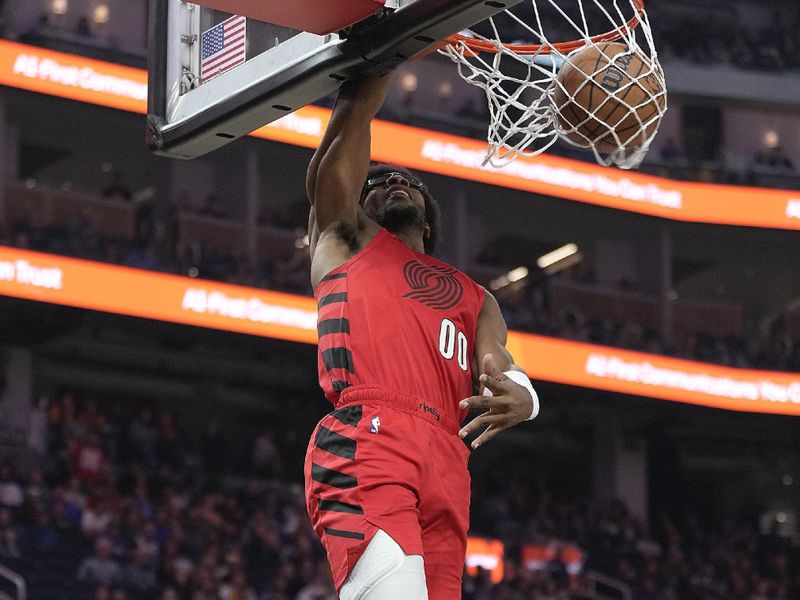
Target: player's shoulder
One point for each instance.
(449, 269)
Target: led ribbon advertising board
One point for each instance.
(115, 86)
(172, 298)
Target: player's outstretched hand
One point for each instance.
(509, 404)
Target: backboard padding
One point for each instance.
(314, 16)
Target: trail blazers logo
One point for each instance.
(435, 287)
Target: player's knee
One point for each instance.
(385, 572)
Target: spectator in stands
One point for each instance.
(100, 567)
(102, 592)
(142, 437)
(215, 207)
(88, 458)
(98, 516)
(9, 535)
(670, 151)
(42, 536)
(118, 190)
(237, 589)
(11, 492)
(774, 159)
(140, 576)
(83, 28)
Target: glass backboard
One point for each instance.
(215, 76)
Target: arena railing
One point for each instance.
(16, 580)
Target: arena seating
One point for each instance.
(208, 525)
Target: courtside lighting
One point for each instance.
(551, 258)
(409, 82)
(59, 7)
(445, 89)
(100, 14)
(517, 274)
(513, 276)
(771, 139)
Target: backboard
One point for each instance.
(221, 69)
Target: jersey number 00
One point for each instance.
(452, 340)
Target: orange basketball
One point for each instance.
(602, 89)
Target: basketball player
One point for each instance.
(404, 341)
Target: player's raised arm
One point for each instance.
(506, 390)
(339, 167)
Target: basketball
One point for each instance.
(606, 89)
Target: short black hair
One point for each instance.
(432, 213)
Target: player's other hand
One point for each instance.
(509, 404)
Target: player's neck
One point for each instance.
(412, 240)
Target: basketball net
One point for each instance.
(520, 80)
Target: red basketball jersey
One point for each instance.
(397, 319)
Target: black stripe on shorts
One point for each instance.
(331, 477)
(349, 415)
(340, 386)
(335, 443)
(342, 507)
(345, 534)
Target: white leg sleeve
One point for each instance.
(385, 572)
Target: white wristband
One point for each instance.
(521, 379)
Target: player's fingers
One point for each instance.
(478, 423)
(492, 384)
(487, 435)
(478, 402)
(489, 367)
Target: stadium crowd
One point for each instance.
(125, 504)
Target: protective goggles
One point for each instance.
(382, 179)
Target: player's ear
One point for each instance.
(426, 233)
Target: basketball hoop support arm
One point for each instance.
(269, 87)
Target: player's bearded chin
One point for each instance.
(401, 218)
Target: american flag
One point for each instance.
(224, 47)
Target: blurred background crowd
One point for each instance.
(124, 503)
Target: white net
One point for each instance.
(610, 96)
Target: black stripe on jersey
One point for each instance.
(335, 443)
(349, 415)
(333, 478)
(346, 534)
(333, 276)
(340, 386)
(342, 507)
(332, 298)
(338, 358)
(329, 326)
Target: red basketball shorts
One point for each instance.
(380, 461)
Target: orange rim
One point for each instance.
(479, 46)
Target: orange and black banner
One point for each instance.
(201, 303)
(107, 84)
